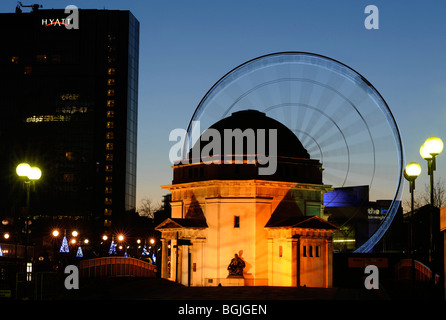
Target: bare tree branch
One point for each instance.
(425, 197)
(148, 208)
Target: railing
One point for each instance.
(115, 267)
(406, 267)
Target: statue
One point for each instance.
(236, 266)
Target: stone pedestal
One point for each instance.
(233, 281)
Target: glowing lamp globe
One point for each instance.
(34, 173)
(433, 146)
(23, 169)
(412, 170)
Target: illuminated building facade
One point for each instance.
(275, 223)
(68, 101)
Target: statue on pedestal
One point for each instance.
(236, 267)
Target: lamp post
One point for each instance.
(411, 172)
(431, 148)
(30, 176)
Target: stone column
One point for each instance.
(164, 258)
(173, 260)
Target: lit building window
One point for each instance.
(27, 70)
(110, 82)
(69, 155)
(109, 179)
(110, 114)
(111, 71)
(107, 212)
(15, 59)
(109, 146)
(109, 136)
(109, 157)
(41, 58)
(110, 124)
(108, 200)
(109, 168)
(110, 93)
(108, 190)
(110, 103)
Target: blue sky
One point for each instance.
(186, 46)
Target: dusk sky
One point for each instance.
(187, 46)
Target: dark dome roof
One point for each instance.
(288, 145)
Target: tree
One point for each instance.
(425, 197)
(148, 208)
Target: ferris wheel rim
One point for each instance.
(376, 96)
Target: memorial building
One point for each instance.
(231, 225)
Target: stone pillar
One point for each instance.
(184, 265)
(295, 273)
(164, 258)
(173, 260)
(270, 261)
(329, 264)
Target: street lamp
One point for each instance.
(30, 174)
(411, 172)
(431, 148)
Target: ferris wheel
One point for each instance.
(339, 117)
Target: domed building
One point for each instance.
(248, 190)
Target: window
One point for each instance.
(109, 146)
(110, 82)
(110, 114)
(108, 190)
(317, 248)
(27, 70)
(109, 136)
(109, 157)
(304, 251)
(15, 59)
(311, 251)
(111, 71)
(236, 221)
(107, 211)
(109, 168)
(109, 179)
(108, 200)
(41, 58)
(110, 103)
(110, 124)
(280, 251)
(110, 93)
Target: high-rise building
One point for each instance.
(68, 104)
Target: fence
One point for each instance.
(406, 267)
(114, 267)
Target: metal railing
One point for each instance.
(114, 267)
(407, 268)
